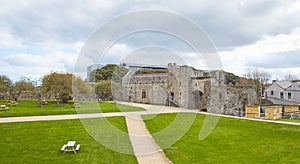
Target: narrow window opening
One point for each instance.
(281, 95)
(289, 95)
(143, 93)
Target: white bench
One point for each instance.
(63, 148)
(76, 105)
(77, 147)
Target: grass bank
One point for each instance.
(30, 108)
(232, 141)
(40, 142)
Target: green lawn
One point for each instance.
(40, 142)
(30, 108)
(232, 141)
(289, 120)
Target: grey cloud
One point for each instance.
(154, 55)
(61, 21)
(289, 59)
(256, 8)
(229, 24)
(141, 39)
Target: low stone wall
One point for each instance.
(239, 97)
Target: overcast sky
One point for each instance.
(42, 36)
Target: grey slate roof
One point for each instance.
(284, 84)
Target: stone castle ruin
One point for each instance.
(186, 87)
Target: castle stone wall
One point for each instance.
(187, 88)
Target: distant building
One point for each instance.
(284, 92)
(91, 68)
(135, 66)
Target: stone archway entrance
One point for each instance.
(197, 97)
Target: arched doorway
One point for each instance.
(197, 97)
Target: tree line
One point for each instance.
(58, 86)
(63, 87)
(54, 85)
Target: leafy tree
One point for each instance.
(103, 89)
(5, 85)
(231, 78)
(149, 71)
(59, 85)
(23, 85)
(80, 87)
(108, 72)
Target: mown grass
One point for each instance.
(232, 141)
(40, 142)
(289, 120)
(30, 108)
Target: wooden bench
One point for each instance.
(4, 107)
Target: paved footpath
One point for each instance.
(145, 148)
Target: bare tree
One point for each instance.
(291, 77)
(260, 75)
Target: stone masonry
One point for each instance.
(186, 87)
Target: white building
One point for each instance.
(284, 92)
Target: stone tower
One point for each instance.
(180, 84)
(217, 92)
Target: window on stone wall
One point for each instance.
(272, 92)
(143, 93)
(281, 95)
(179, 94)
(196, 84)
(289, 95)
